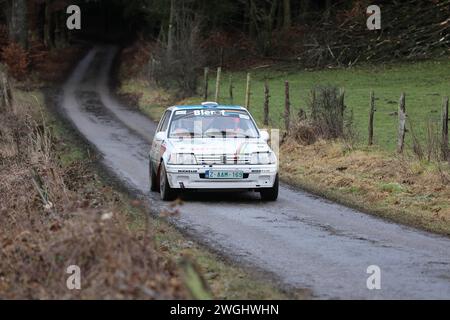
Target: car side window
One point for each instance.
(164, 122)
(158, 129)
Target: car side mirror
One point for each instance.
(160, 136)
(265, 136)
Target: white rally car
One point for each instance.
(211, 147)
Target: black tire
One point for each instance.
(167, 193)
(153, 178)
(270, 194)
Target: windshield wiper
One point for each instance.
(214, 134)
(242, 135)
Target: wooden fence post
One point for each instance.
(445, 150)
(206, 82)
(152, 69)
(266, 102)
(231, 87)
(313, 105)
(247, 91)
(219, 73)
(401, 124)
(342, 101)
(371, 117)
(341, 111)
(287, 106)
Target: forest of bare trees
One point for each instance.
(312, 33)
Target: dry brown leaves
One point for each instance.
(52, 217)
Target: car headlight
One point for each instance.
(263, 158)
(182, 158)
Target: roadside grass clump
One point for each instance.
(328, 118)
(327, 112)
(430, 147)
(303, 132)
(391, 187)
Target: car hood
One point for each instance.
(218, 145)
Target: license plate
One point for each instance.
(224, 174)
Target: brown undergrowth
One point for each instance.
(55, 214)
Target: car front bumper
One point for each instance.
(193, 177)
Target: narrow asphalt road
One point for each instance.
(303, 240)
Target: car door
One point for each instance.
(156, 151)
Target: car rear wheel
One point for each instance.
(167, 193)
(153, 178)
(270, 194)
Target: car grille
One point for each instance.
(203, 176)
(223, 158)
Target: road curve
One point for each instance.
(303, 240)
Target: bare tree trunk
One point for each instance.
(341, 113)
(287, 14)
(262, 20)
(58, 37)
(19, 23)
(252, 21)
(279, 17)
(64, 31)
(313, 105)
(170, 32)
(272, 15)
(48, 25)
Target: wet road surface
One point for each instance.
(302, 240)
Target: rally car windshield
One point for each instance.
(212, 123)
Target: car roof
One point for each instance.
(206, 105)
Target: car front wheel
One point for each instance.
(270, 194)
(167, 193)
(153, 178)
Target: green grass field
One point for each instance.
(424, 83)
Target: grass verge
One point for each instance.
(398, 188)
